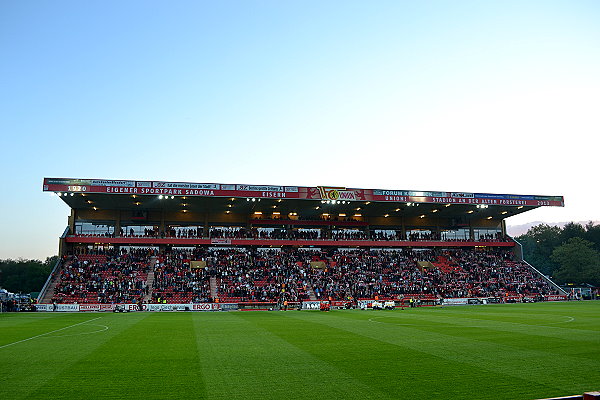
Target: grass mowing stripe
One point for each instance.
(153, 358)
(543, 370)
(398, 372)
(19, 326)
(515, 335)
(557, 326)
(28, 366)
(242, 359)
(8, 320)
(544, 315)
(48, 333)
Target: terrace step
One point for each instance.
(213, 287)
(53, 283)
(150, 279)
(311, 293)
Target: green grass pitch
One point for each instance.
(516, 351)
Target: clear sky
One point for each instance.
(476, 96)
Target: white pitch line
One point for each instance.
(387, 323)
(47, 333)
(104, 329)
(570, 319)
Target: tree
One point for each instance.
(25, 276)
(572, 230)
(538, 244)
(592, 233)
(578, 262)
(51, 261)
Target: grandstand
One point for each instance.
(263, 246)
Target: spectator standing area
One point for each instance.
(197, 246)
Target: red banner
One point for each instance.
(323, 193)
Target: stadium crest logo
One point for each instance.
(336, 193)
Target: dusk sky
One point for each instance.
(473, 96)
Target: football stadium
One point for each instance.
(225, 291)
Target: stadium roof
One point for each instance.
(215, 197)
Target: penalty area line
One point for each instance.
(47, 333)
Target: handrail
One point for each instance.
(45, 287)
(56, 266)
(561, 290)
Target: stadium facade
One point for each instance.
(113, 215)
(106, 212)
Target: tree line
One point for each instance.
(570, 254)
(25, 276)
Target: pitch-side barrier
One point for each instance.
(135, 307)
(506, 299)
(304, 305)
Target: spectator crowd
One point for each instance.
(278, 275)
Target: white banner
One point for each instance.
(254, 188)
(311, 305)
(463, 301)
(161, 307)
(183, 307)
(556, 297)
(67, 307)
(364, 303)
(100, 182)
(59, 307)
(455, 302)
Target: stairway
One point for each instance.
(213, 287)
(50, 291)
(150, 280)
(52, 285)
(311, 293)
